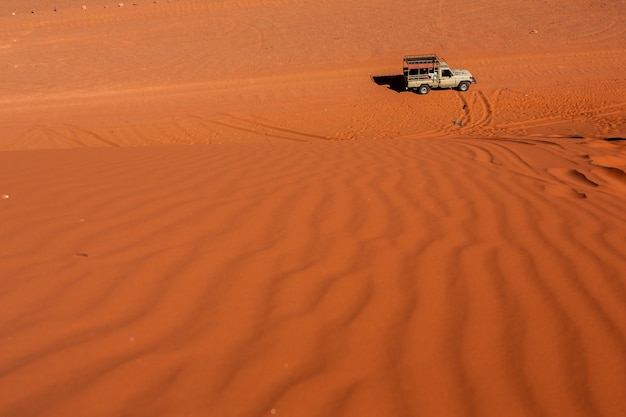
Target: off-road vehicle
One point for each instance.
(423, 72)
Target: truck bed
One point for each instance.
(417, 67)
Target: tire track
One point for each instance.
(267, 130)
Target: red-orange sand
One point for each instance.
(219, 208)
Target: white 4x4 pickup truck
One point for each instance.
(423, 72)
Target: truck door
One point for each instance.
(446, 80)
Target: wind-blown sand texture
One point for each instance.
(319, 243)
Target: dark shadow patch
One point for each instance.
(614, 139)
(393, 82)
(582, 178)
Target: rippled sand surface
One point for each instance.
(181, 236)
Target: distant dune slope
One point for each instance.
(189, 71)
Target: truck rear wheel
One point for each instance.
(463, 86)
(423, 89)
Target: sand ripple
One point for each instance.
(412, 277)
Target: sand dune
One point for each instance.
(435, 276)
(227, 208)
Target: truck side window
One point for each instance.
(446, 73)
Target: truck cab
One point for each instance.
(423, 72)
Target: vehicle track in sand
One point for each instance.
(266, 131)
(139, 78)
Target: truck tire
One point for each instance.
(423, 89)
(463, 86)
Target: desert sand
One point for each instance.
(228, 208)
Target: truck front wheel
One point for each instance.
(423, 89)
(463, 86)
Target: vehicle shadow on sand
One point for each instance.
(393, 82)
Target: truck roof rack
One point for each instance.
(425, 58)
(421, 61)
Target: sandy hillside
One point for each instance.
(319, 243)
